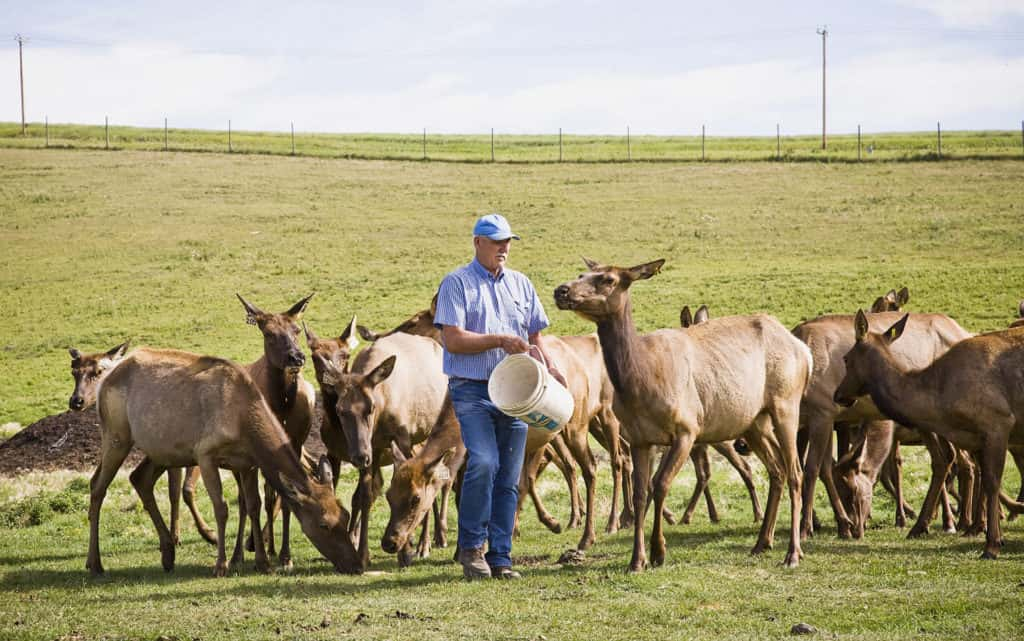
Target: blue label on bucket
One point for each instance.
(542, 421)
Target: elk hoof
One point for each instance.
(285, 563)
(263, 566)
(94, 568)
(220, 570)
(760, 548)
(791, 561)
(167, 556)
(657, 558)
(917, 532)
(988, 555)
(637, 566)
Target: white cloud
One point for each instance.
(969, 13)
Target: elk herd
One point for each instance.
(835, 397)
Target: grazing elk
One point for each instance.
(829, 337)
(972, 395)
(185, 409)
(278, 375)
(699, 453)
(717, 381)
(89, 370)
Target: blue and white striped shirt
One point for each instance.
(471, 298)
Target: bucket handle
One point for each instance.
(541, 354)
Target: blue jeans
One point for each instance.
(495, 444)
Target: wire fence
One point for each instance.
(557, 147)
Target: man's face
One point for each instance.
(492, 254)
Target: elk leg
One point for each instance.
(284, 558)
(844, 526)
(366, 480)
(270, 505)
(174, 496)
(762, 442)
(626, 518)
(641, 458)
(143, 479)
(671, 461)
(563, 460)
(967, 474)
(785, 420)
(423, 549)
(702, 470)
(114, 452)
(819, 435)
(607, 426)
(742, 468)
(211, 479)
(441, 516)
(992, 459)
(249, 490)
(188, 493)
(1017, 452)
(942, 459)
(238, 556)
(579, 447)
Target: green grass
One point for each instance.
(98, 247)
(525, 148)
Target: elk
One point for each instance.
(829, 337)
(699, 452)
(730, 377)
(278, 375)
(891, 301)
(184, 409)
(973, 396)
(89, 370)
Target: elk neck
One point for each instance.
(620, 345)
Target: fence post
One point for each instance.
(424, 143)
(48, 131)
(106, 132)
(293, 138)
(229, 136)
(492, 144)
(702, 143)
(778, 143)
(559, 144)
(858, 143)
(165, 133)
(938, 128)
(629, 149)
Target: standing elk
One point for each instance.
(278, 375)
(717, 381)
(89, 370)
(184, 409)
(973, 396)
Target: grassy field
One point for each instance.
(526, 148)
(99, 247)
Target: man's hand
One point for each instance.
(558, 376)
(512, 344)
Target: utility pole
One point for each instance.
(823, 32)
(21, 77)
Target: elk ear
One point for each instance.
(891, 295)
(296, 310)
(290, 490)
(75, 354)
(903, 297)
(591, 264)
(332, 375)
(397, 456)
(433, 305)
(112, 357)
(641, 272)
(878, 305)
(252, 313)
(860, 325)
(349, 335)
(382, 371)
(685, 317)
(367, 334)
(324, 471)
(311, 338)
(439, 468)
(896, 330)
(702, 315)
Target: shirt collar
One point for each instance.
(482, 271)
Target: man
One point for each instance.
(486, 311)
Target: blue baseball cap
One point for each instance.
(493, 226)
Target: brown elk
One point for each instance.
(185, 409)
(829, 337)
(278, 375)
(89, 370)
(973, 396)
(891, 301)
(699, 453)
(717, 381)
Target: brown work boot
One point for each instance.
(505, 572)
(474, 566)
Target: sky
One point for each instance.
(519, 66)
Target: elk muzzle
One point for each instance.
(76, 403)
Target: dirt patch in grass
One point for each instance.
(71, 441)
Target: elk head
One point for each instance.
(88, 370)
(863, 355)
(358, 406)
(893, 301)
(414, 486)
(280, 333)
(602, 291)
(331, 351)
(323, 519)
(686, 318)
(854, 489)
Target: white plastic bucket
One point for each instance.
(520, 386)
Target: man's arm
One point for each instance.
(535, 339)
(463, 341)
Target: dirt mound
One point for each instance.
(71, 441)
